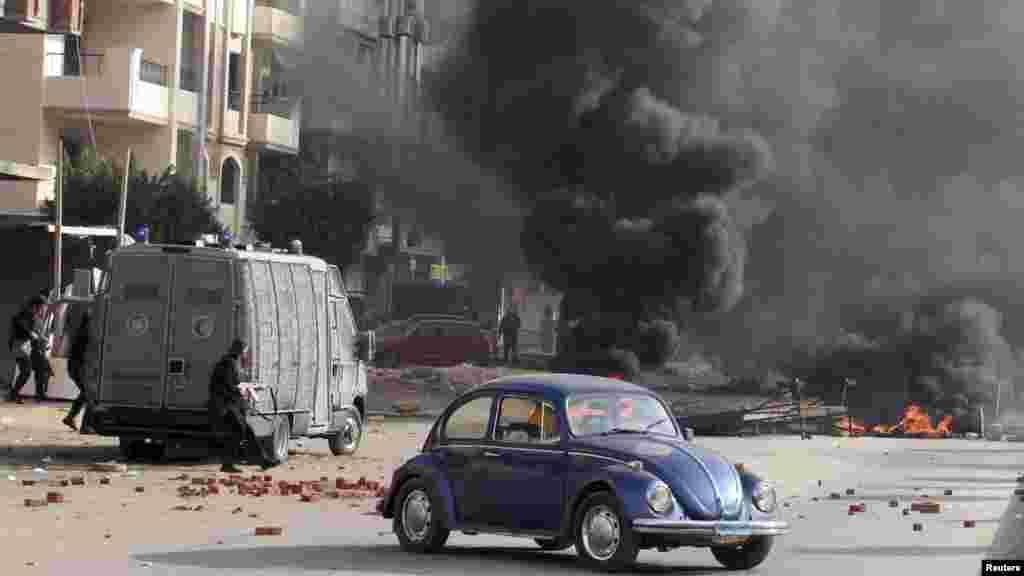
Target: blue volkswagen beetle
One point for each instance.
(572, 460)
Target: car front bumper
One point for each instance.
(715, 530)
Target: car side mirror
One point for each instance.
(688, 434)
(365, 344)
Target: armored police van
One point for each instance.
(165, 314)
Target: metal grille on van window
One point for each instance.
(141, 291)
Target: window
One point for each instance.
(602, 413)
(141, 291)
(469, 421)
(527, 421)
(235, 81)
(229, 181)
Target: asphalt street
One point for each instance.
(824, 540)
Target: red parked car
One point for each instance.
(435, 342)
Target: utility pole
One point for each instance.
(122, 209)
(58, 242)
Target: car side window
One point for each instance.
(527, 421)
(469, 421)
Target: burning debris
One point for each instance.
(623, 189)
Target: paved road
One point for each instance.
(825, 540)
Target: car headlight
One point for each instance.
(764, 497)
(659, 498)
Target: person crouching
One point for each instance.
(227, 409)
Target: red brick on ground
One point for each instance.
(269, 531)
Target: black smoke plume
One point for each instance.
(624, 192)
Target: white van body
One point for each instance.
(166, 314)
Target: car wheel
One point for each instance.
(745, 556)
(346, 441)
(276, 445)
(604, 538)
(552, 545)
(418, 523)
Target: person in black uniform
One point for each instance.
(227, 409)
(25, 340)
(76, 367)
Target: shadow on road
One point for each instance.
(391, 559)
(891, 551)
(64, 454)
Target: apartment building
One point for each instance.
(152, 76)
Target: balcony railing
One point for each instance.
(280, 106)
(63, 64)
(153, 72)
(293, 7)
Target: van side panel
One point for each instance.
(136, 324)
(202, 326)
(307, 336)
(247, 326)
(267, 317)
(289, 335)
(323, 390)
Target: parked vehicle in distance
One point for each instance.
(433, 340)
(576, 460)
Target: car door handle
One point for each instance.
(491, 454)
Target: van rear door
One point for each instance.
(202, 312)
(136, 325)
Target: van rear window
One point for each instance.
(141, 291)
(204, 296)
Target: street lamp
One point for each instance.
(847, 384)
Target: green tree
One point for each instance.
(330, 217)
(172, 206)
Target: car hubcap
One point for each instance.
(350, 433)
(282, 443)
(601, 532)
(416, 515)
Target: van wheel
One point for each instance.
(276, 445)
(346, 441)
(129, 447)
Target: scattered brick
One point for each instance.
(918, 527)
(211, 481)
(63, 483)
(269, 531)
(948, 492)
(198, 481)
(382, 492)
(181, 508)
(310, 497)
(850, 492)
(77, 481)
(105, 481)
(325, 479)
(213, 489)
(237, 510)
(926, 507)
(54, 497)
(181, 478)
(834, 496)
(1017, 492)
(140, 489)
(906, 511)
(28, 482)
(332, 494)
(268, 478)
(855, 508)
(34, 503)
(969, 523)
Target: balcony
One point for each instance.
(117, 85)
(274, 124)
(278, 21)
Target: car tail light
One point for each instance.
(617, 375)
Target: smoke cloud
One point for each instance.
(625, 192)
(895, 127)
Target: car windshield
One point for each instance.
(597, 414)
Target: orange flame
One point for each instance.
(916, 420)
(845, 425)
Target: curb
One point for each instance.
(399, 416)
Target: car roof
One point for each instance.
(560, 384)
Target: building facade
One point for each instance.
(144, 76)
